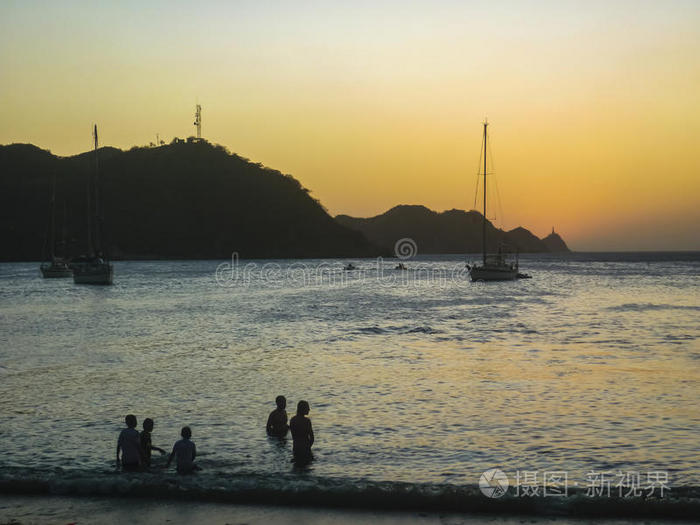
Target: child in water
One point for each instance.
(146, 445)
(302, 433)
(185, 452)
(129, 445)
(277, 421)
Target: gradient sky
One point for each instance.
(594, 106)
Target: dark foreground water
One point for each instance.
(417, 380)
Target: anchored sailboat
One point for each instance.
(494, 267)
(94, 268)
(54, 266)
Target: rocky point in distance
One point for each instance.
(452, 231)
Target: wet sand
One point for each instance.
(113, 511)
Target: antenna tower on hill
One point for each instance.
(198, 121)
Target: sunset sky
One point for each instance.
(594, 106)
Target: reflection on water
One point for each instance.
(592, 364)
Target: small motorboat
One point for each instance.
(349, 267)
(401, 266)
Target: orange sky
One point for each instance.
(594, 106)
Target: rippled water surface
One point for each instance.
(594, 363)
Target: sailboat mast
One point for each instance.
(483, 223)
(63, 229)
(52, 246)
(98, 219)
(89, 214)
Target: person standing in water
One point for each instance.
(277, 421)
(303, 434)
(185, 452)
(146, 445)
(130, 446)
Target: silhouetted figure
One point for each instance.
(303, 434)
(130, 446)
(146, 445)
(277, 421)
(184, 451)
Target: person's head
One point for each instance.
(130, 421)
(186, 432)
(303, 408)
(148, 424)
(281, 402)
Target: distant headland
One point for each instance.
(191, 199)
(453, 231)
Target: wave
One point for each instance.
(303, 489)
(641, 307)
(376, 330)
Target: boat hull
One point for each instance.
(56, 273)
(55, 270)
(493, 273)
(101, 274)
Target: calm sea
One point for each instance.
(415, 376)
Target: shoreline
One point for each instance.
(332, 496)
(571, 254)
(40, 509)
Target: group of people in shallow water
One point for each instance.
(300, 427)
(134, 449)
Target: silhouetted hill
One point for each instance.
(452, 231)
(184, 200)
(555, 243)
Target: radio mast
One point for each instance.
(198, 121)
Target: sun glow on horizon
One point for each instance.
(594, 108)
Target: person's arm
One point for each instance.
(311, 434)
(194, 451)
(119, 446)
(170, 458)
(269, 426)
(147, 445)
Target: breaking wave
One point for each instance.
(306, 490)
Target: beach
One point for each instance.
(114, 511)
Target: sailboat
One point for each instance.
(54, 267)
(494, 267)
(94, 268)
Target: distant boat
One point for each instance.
(53, 266)
(494, 267)
(93, 268)
(401, 266)
(350, 267)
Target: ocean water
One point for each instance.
(415, 377)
